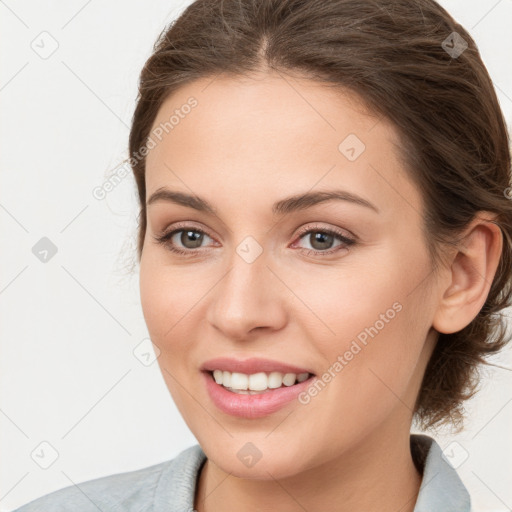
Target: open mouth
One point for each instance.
(257, 383)
(254, 395)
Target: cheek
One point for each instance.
(167, 298)
(154, 299)
(345, 304)
(168, 295)
(369, 324)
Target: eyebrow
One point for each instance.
(282, 207)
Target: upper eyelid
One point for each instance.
(183, 227)
(339, 231)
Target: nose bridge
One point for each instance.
(248, 296)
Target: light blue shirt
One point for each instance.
(170, 486)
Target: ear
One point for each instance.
(469, 279)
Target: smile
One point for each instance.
(257, 383)
(254, 403)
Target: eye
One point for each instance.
(187, 239)
(322, 240)
(183, 240)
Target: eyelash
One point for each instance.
(165, 238)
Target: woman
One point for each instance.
(325, 246)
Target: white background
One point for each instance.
(69, 326)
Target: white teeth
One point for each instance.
(289, 379)
(239, 381)
(275, 380)
(261, 381)
(257, 381)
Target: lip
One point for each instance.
(252, 406)
(251, 365)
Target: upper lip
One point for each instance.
(251, 365)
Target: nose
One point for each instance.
(247, 299)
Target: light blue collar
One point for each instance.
(441, 488)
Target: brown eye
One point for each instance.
(320, 240)
(323, 241)
(184, 240)
(190, 239)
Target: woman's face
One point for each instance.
(280, 285)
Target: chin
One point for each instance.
(256, 460)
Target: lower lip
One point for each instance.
(252, 406)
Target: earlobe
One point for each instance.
(470, 276)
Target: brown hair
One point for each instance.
(398, 56)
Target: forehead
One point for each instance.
(272, 135)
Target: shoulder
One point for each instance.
(143, 489)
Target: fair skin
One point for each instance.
(248, 144)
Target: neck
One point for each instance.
(377, 474)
